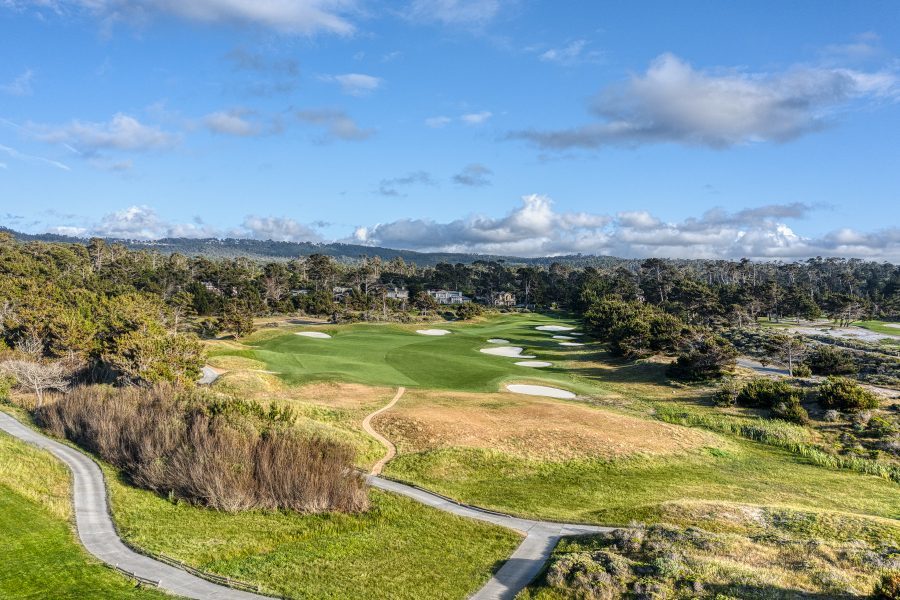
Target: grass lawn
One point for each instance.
(880, 327)
(617, 491)
(39, 555)
(394, 355)
(398, 549)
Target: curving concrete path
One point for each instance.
(99, 535)
(525, 564)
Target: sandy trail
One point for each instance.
(367, 426)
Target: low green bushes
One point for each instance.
(841, 393)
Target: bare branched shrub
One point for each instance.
(205, 454)
(37, 377)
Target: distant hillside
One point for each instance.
(271, 250)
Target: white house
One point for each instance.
(448, 296)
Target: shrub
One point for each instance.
(845, 394)
(791, 411)
(827, 360)
(228, 458)
(468, 310)
(802, 370)
(767, 393)
(703, 357)
(727, 393)
(888, 586)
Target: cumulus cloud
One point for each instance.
(336, 123)
(536, 229)
(455, 12)
(20, 85)
(144, 223)
(474, 175)
(674, 102)
(391, 187)
(355, 84)
(299, 17)
(122, 133)
(279, 229)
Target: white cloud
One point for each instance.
(279, 229)
(476, 118)
(303, 17)
(474, 175)
(355, 84)
(455, 12)
(13, 153)
(337, 124)
(572, 53)
(438, 122)
(673, 102)
(122, 133)
(536, 229)
(20, 85)
(232, 122)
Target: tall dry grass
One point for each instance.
(226, 460)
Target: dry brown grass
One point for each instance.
(225, 455)
(531, 428)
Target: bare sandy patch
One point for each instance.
(507, 351)
(540, 390)
(497, 341)
(571, 344)
(563, 337)
(534, 363)
(314, 334)
(432, 332)
(526, 427)
(554, 328)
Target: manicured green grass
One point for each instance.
(880, 327)
(39, 554)
(615, 492)
(398, 549)
(396, 355)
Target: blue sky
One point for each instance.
(693, 129)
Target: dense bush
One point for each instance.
(633, 329)
(702, 357)
(828, 360)
(841, 393)
(767, 393)
(888, 586)
(727, 393)
(228, 456)
(791, 411)
(468, 310)
(802, 370)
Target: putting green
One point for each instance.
(396, 355)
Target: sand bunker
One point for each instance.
(433, 331)
(571, 344)
(534, 363)
(540, 390)
(313, 334)
(508, 351)
(893, 325)
(554, 328)
(497, 341)
(563, 337)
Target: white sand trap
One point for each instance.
(540, 390)
(571, 344)
(554, 328)
(433, 331)
(893, 325)
(314, 334)
(497, 341)
(534, 363)
(563, 337)
(508, 351)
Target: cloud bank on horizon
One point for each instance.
(535, 229)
